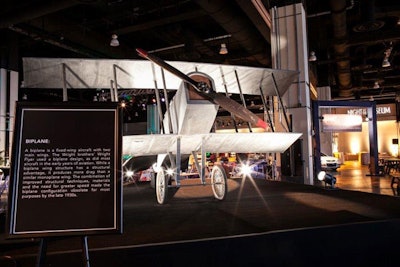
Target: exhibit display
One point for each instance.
(65, 174)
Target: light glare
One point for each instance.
(321, 175)
(170, 172)
(245, 169)
(129, 173)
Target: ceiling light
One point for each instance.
(114, 40)
(223, 50)
(385, 63)
(312, 56)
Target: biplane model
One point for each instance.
(190, 115)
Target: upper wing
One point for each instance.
(139, 74)
(140, 145)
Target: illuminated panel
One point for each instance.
(341, 123)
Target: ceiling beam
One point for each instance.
(33, 11)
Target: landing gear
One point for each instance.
(219, 182)
(162, 180)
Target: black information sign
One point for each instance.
(66, 170)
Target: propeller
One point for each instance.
(202, 88)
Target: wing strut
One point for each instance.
(157, 93)
(266, 110)
(242, 97)
(166, 101)
(227, 95)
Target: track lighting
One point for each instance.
(114, 40)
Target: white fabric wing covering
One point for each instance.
(142, 74)
(141, 145)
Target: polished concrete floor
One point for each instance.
(354, 176)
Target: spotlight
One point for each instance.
(114, 40)
(327, 178)
(223, 50)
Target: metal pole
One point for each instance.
(41, 257)
(166, 101)
(64, 75)
(227, 95)
(203, 162)
(316, 138)
(112, 91)
(373, 138)
(114, 88)
(266, 110)
(157, 93)
(241, 96)
(85, 252)
(281, 103)
(178, 160)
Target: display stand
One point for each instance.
(72, 167)
(41, 257)
(42, 253)
(85, 251)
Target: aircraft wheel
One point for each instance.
(219, 182)
(161, 186)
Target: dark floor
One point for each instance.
(262, 222)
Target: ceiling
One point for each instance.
(349, 37)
